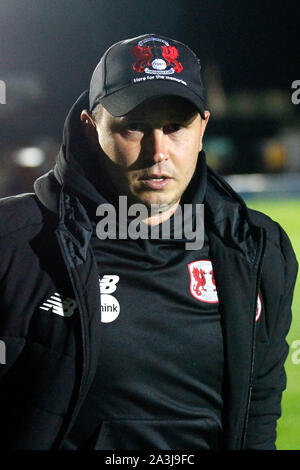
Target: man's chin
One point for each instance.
(158, 204)
(152, 199)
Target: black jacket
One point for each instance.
(51, 360)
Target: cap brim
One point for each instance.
(125, 100)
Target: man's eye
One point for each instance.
(172, 127)
(134, 127)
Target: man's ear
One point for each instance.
(87, 118)
(203, 127)
(89, 129)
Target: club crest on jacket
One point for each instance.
(202, 281)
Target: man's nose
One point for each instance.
(157, 146)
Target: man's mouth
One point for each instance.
(155, 181)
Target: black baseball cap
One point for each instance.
(142, 68)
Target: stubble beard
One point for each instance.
(160, 203)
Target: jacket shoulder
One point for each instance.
(277, 235)
(18, 212)
(271, 227)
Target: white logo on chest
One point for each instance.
(110, 307)
(65, 308)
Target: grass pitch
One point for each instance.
(287, 214)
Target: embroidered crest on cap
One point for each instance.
(202, 281)
(166, 64)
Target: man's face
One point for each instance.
(154, 149)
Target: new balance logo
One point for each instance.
(110, 307)
(65, 308)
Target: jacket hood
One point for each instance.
(71, 172)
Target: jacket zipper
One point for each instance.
(258, 261)
(81, 308)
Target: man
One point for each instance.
(127, 335)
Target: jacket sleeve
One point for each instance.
(270, 382)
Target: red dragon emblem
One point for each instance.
(199, 276)
(200, 280)
(143, 55)
(170, 53)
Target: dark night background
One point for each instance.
(249, 53)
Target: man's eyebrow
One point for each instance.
(130, 118)
(121, 120)
(187, 118)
